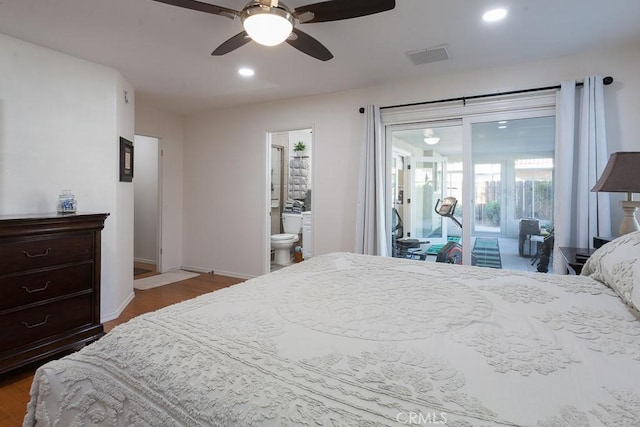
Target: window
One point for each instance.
(534, 189)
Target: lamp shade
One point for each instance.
(622, 173)
(268, 26)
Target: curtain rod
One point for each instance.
(606, 80)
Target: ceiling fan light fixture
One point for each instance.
(271, 22)
(268, 26)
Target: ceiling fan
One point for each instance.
(270, 22)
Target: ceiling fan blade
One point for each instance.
(232, 44)
(203, 7)
(307, 44)
(336, 10)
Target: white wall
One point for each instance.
(120, 243)
(225, 152)
(60, 120)
(145, 223)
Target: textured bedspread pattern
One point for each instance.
(354, 340)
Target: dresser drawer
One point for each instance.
(26, 326)
(16, 291)
(44, 252)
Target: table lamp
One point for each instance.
(622, 175)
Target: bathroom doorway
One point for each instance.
(289, 198)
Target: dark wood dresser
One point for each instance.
(49, 285)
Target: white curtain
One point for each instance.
(581, 156)
(371, 215)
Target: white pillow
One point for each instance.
(635, 292)
(617, 265)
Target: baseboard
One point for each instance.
(119, 310)
(202, 270)
(145, 261)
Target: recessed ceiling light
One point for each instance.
(246, 72)
(494, 15)
(502, 127)
(502, 122)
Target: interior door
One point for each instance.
(427, 186)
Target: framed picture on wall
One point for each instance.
(126, 160)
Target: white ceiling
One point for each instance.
(164, 51)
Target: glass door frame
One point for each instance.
(521, 106)
(468, 178)
(401, 125)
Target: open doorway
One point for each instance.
(289, 189)
(146, 246)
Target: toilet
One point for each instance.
(282, 243)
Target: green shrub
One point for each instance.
(492, 212)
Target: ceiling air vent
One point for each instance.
(427, 56)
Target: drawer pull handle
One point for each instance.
(44, 288)
(28, 255)
(35, 325)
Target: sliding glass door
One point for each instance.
(498, 167)
(421, 179)
(510, 163)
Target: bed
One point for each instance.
(354, 340)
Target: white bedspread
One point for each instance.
(353, 340)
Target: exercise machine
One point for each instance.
(451, 252)
(485, 252)
(402, 247)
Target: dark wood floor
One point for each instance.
(14, 388)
